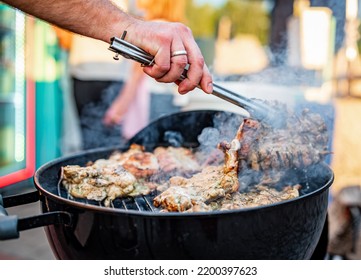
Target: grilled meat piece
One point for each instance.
(212, 183)
(143, 187)
(183, 193)
(301, 142)
(138, 162)
(261, 195)
(97, 184)
(176, 160)
(229, 180)
(123, 174)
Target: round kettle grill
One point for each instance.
(134, 229)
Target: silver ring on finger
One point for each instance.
(181, 52)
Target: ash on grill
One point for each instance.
(254, 168)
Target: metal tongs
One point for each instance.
(255, 108)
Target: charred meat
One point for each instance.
(300, 143)
(251, 170)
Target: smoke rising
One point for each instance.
(95, 133)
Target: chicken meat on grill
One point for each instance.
(258, 196)
(256, 168)
(257, 151)
(176, 161)
(137, 161)
(181, 193)
(96, 183)
(127, 174)
(300, 142)
(212, 183)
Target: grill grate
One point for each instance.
(142, 203)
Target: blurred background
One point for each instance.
(61, 93)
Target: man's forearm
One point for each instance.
(101, 19)
(98, 19)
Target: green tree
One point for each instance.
(202, 19)
(247, 17)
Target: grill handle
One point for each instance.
(10, 226)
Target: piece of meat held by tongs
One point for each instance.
(233, 151)
(300, 143)
(256, 109)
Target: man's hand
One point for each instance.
(161, 39)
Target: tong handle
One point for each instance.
(130, 51)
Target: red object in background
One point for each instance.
(28, 171)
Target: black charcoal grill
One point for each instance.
(135, 229)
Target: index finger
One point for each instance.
(198, 73)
